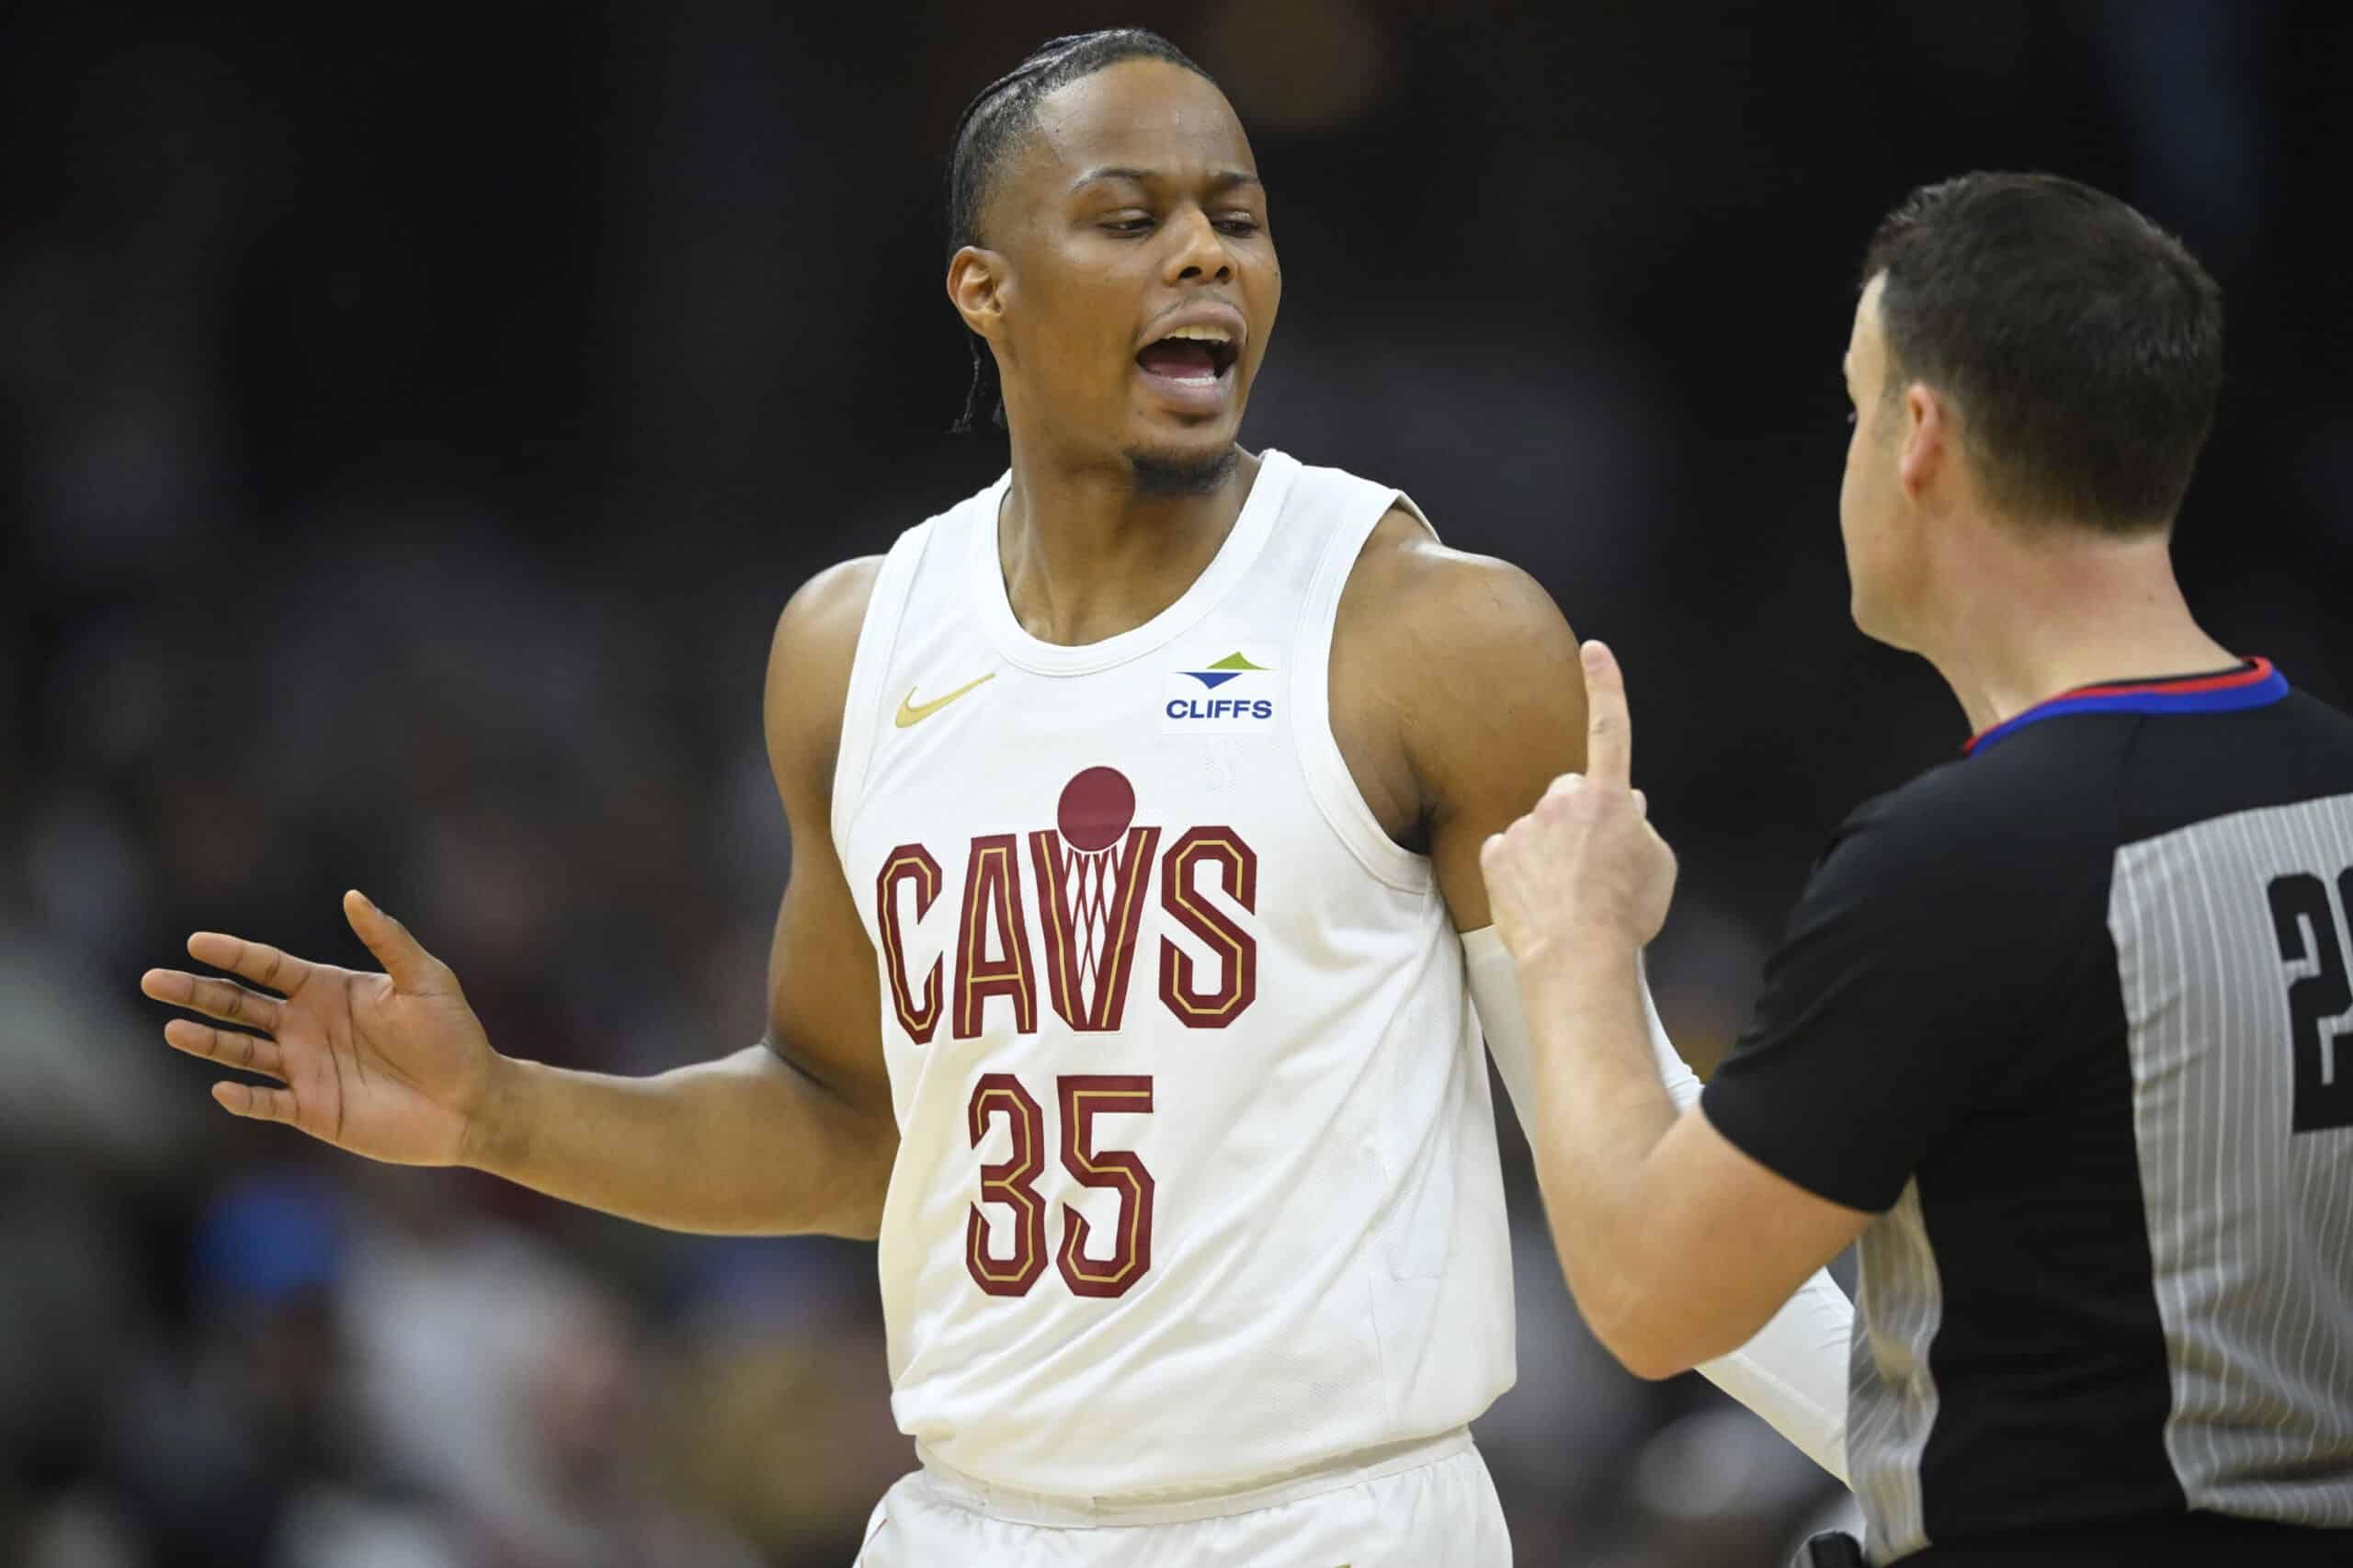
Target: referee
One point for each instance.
(2063, 1029)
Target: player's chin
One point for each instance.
(1194, 465)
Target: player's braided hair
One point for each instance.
(990, 129)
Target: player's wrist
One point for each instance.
(492, 1127)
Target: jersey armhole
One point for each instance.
(1329, 782)
(861, 707)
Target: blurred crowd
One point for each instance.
(411, 432)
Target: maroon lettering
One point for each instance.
(992, 941)
(1235, 867)
(913, 865)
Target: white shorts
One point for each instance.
(1422, 1505)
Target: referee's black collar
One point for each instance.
(2252, 684)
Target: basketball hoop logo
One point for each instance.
(1092, 867)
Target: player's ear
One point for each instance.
(976, 281)
(1929, 435)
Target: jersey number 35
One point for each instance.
(1013, 1183)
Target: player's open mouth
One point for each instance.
(1191, 356)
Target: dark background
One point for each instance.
(412, 424)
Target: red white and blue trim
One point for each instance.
(2253, 685)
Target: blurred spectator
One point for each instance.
(247, 1454)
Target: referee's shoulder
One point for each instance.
(2028, 812)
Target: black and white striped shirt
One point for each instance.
(2071, 1017)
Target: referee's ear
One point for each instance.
(1931, 429)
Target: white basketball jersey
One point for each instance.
(1197, 1183)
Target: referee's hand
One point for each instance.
(1585, 868)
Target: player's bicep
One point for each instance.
(1456, 698)
(823, 1000)
(1496, 720)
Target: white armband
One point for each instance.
(1794, 1372)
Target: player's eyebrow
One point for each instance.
(1223, 179)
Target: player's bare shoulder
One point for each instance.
(1444, 662)
(809, 668)
(1405, 580)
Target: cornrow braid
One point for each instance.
(990, 130)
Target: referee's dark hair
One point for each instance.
(993, 125)
(2082, 344)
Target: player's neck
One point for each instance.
(1087, 556)
(2032, 616)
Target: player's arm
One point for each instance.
(1479, 671)
(792, 1134)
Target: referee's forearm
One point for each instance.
(1601, 1109)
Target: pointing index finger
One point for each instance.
(1609, 729)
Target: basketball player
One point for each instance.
(2062, 1028)
(1136, 803)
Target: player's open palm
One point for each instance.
(391, 1066)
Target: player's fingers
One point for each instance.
(252, 1101)
(412, 970)
(248, 1053)
(1566, 784)
(222, 999)
(1641, 805)
(256, 962)
(1608, 729)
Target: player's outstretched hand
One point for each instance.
(393, 1066)
(1585, 865)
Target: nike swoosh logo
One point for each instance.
(911, 712)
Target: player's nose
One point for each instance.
(1196, 250)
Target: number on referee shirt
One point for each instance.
(2319, 998)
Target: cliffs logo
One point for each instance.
(1225, 697)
